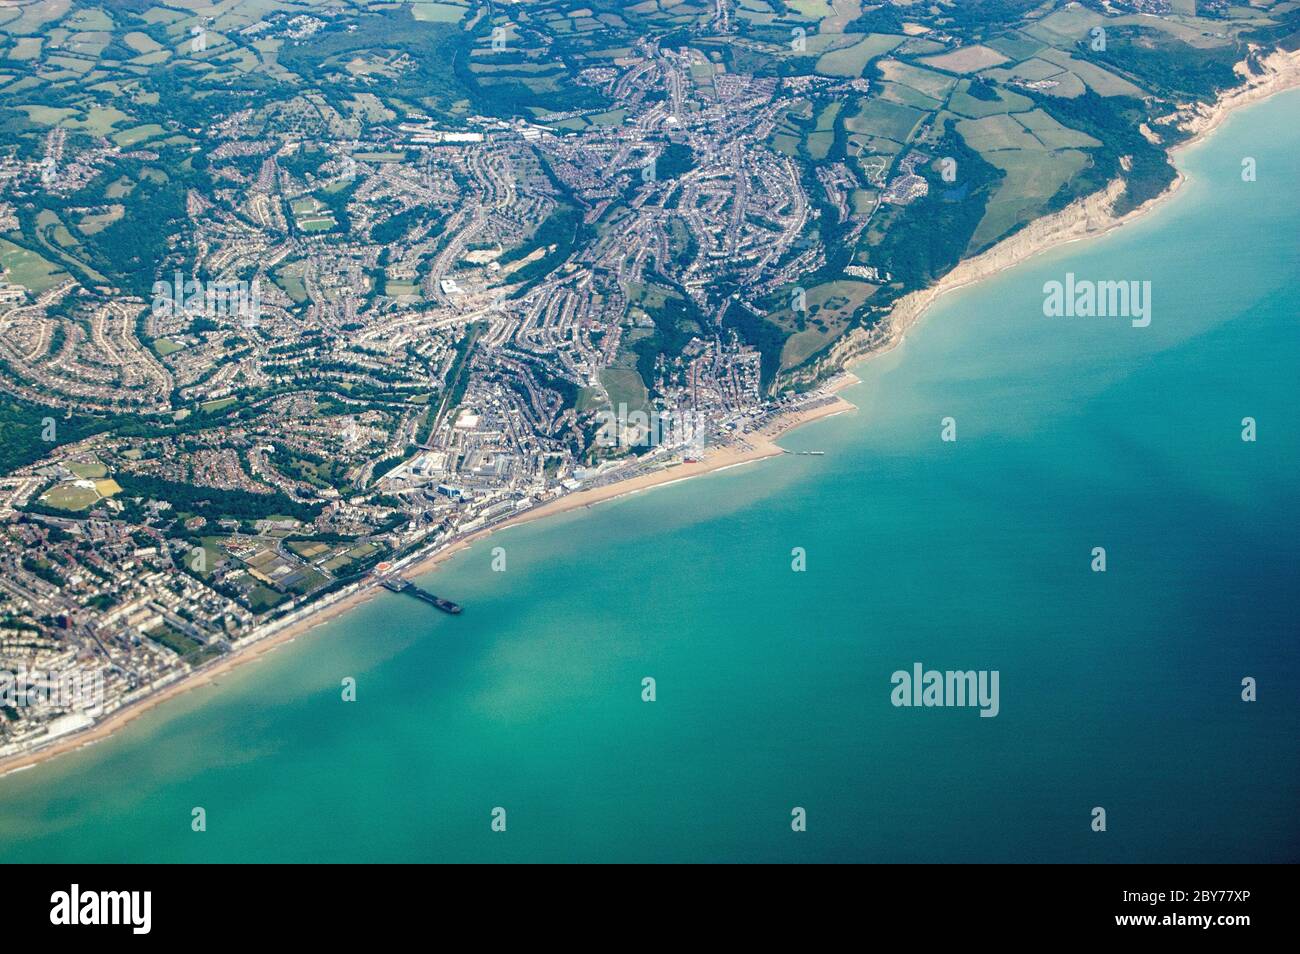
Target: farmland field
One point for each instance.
(24, 267)
(852, 60)
(968, 59)
(1033, 176)
(885, 119)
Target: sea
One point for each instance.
(706, 671)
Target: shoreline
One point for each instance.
(1088, 217)
(253, 650)
(759, 445)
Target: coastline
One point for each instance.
(255, 648)
(756, 445)
(1088, 217)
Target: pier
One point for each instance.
(398, 585)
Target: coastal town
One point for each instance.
(259, 361)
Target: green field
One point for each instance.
(1102, 82)
(852, 60)
(878, 118)
(179, 643)
(829, 307)
(70, 495)
(625, 387)
(24, 267)
(312, 215)
(138, 134)
(1052, 134)
(995, 133)
(1006, 101)
(933, 85)
(95, 222)
(1032, 178)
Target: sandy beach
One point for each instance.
(249, 651)
(1085, 218)
(755, 445)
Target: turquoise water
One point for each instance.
(1119, 690)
